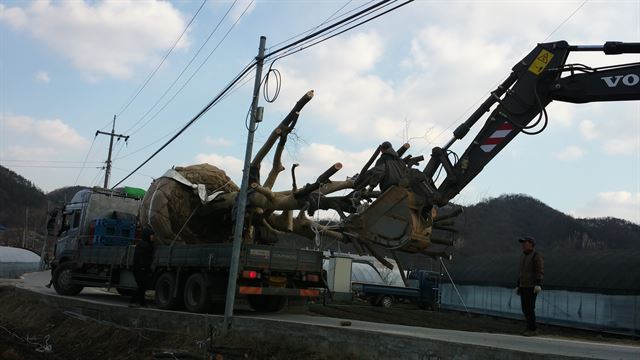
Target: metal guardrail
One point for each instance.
(616, 314)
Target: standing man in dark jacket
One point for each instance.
(530, 281)
(142, 259)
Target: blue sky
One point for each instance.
(67, 67)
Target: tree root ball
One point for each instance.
(176, 214)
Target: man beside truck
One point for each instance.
(142, 260)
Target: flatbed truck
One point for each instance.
(189, 276)
(423, 290)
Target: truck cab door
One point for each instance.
(69, 231)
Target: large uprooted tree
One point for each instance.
(195, 204)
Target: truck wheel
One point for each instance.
(196, 293)
(62, 280)
(386, 301)
(165, 288)
(267, 303)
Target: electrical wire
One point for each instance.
(52, 161)
(278, 79)
(247, 77)
(565, 20)
(215, 29)
(162, 61)
(343, 31)
(334, 27)
(53, 167)
(327, 28)
(122, 146)
(196, 71)
(85, 159)
(95, 179)
(322, 23)
(241, 75)
(148, 145)
(550, 34)
(193, 120)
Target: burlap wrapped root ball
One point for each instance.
(168, 204)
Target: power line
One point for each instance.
(148, 145)
(162, 61)
(95, 179)
(327, 28)
(85, 159)
(183, 70)
(343, 31)
(565, 20)
(455, 121)
(322, 23)
(195, 72)
(52, 161)
(247, 77)
(194, 119)
(241, 75)
(55, 166)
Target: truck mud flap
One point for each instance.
(256, 290)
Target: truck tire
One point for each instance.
(386, 301)
(62, 280)
(165, 288)
(267, 303)
(196, 293)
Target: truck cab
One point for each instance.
(429, 284)
(94, 216)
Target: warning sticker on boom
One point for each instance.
(542, 60)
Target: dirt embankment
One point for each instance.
(29, 329)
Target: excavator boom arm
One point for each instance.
(521, 101)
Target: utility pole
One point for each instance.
(112, 134)
(242, 195)
(26, 227)
(43, 251)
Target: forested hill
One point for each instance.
(593, 255)
(20, 198)
(493, 226)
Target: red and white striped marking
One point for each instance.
(496, 138)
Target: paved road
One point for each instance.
(537, 345)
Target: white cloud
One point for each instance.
(315, 158)
(619, 204)
(231, 165)
(20, 124)
(570, 153)
(103, 38)
(56, 131)
(220, 141)
(621, 146)
(42, 77)
(562, 114)
(588, 130)
(21, 152)
(349, 97)
(52, 132)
